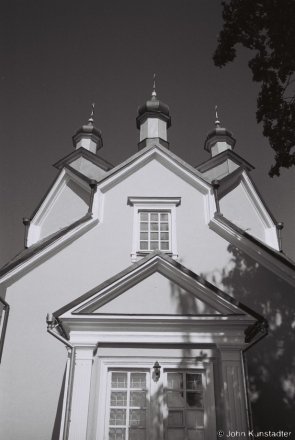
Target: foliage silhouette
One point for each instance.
(271, 362)
(267, 27)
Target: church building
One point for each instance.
(145, 338)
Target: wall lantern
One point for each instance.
(157, 369)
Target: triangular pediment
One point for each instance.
(156, 295)
(157, 285)
(158, 153)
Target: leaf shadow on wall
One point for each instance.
(271, 362)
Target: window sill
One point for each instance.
(145, 253)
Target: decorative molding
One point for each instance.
(153, 200)
(215, 331)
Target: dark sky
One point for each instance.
(57, 57)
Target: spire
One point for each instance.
(154, 94)
(92, 113)
(217, 122)
(88, 136)
(153, 120)
(219, 139)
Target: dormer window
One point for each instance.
(154, 225)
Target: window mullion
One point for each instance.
(128, 406)
(149, 231)
(185, 409)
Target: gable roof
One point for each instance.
(157, 261)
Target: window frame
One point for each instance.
(145, 364)
(129, 371)
(149, 221)
(153, 204)
(184, 390)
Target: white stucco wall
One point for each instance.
(33, 361)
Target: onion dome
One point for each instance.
(88, 136)
(219, 139)
(153, 120)
(153, 108)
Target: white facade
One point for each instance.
(128, 280)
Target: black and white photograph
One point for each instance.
(147, 264)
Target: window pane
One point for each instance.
(175, 418)
(144, 235)
(144, 216)
(175, 380)
(119, 380)
(144, 226)
(194, 381)
(195, 435)
(175, 399)
(138, 380)
(154, 245)
(198, 418)
(194, 400)
(164, 246)
(118, 416)
(118, 398)
(164, 227)
(154, 227)
(137, 398)
(117, 434)
(144, 245)
(175, 434)
(137, 434)
(154, 216)
(164, 235)
(154, 236)
(164, 217)
(137, 417)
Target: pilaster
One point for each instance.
(81, 393)
(232, 391)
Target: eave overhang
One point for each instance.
(88, 155)
(222, 157)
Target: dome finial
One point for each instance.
(217, 122)
(92, 113)
(154, 94)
